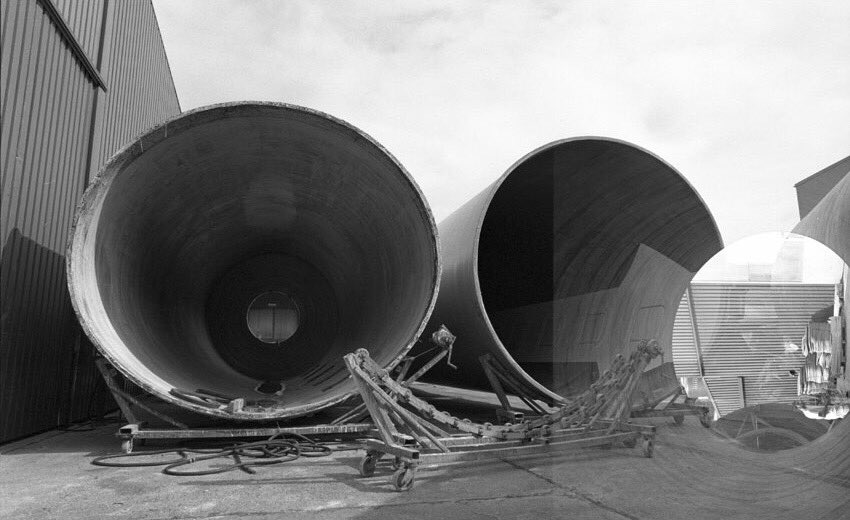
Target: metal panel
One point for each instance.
(46, 106)
(685, 357)
(812, 189)
(47, 101)
(71, 41)
(749, 330)
(770, 388)
(141, 90)
(727, 393)
(84, 19)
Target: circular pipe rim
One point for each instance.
(494, 188)
(99, 186)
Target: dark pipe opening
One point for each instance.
(578, 252)
(585, 248)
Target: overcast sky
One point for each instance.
(744, 98)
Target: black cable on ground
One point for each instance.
(277, 449)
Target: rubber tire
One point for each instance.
(704, 420)
(127, 445)
(679, 418)
(367, 464)
(403, 479)
(397, 463)
(648, 447)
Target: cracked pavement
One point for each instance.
(694, 474)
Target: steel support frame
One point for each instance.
(671, 408)
(424, 442)
(348, 424)
(136, 430)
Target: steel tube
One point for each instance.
(582, 248)
(829, 220)
(182, 230)
(829, 223)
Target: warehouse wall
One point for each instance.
(77, 80)
(85, 20)
(746, 333)
(134, 65)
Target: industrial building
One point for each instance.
(79, 81)
(740, 339)
(270, 278)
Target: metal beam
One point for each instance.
(71, 40)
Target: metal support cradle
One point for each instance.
(660, 394)
(443, 341)
(501, 380)
(412, 431)
(138, 431)
(350, 424)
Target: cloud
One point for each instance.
(744, 98)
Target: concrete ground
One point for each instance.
(694, 474)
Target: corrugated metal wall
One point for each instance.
(48, 102)
(141, 92)
(749, 336)
(84, 18)
(685, 357)
(727, 392)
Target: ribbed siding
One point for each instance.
(770, 388)
(84, 18)
(752, 331)
(47, 101)
(46, 108)
(726, 392)
(141, 91)
(685, 357)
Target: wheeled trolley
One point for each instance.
(660, 394)
(412, 431)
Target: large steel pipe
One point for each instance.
(242, 249)
(582, 248)
(829, 223)
(829, 220)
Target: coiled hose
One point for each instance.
(277, 449)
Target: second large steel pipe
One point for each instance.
(583, 247)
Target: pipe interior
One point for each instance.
(255, 201)
(586, 248)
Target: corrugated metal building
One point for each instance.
(78, 80)
(744, 338)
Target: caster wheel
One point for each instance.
(368, 463)
(397, 463)
(678, 419)
(648, 447)
(630, 443)
(403, 479)
(704, 420)
(127, 446)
